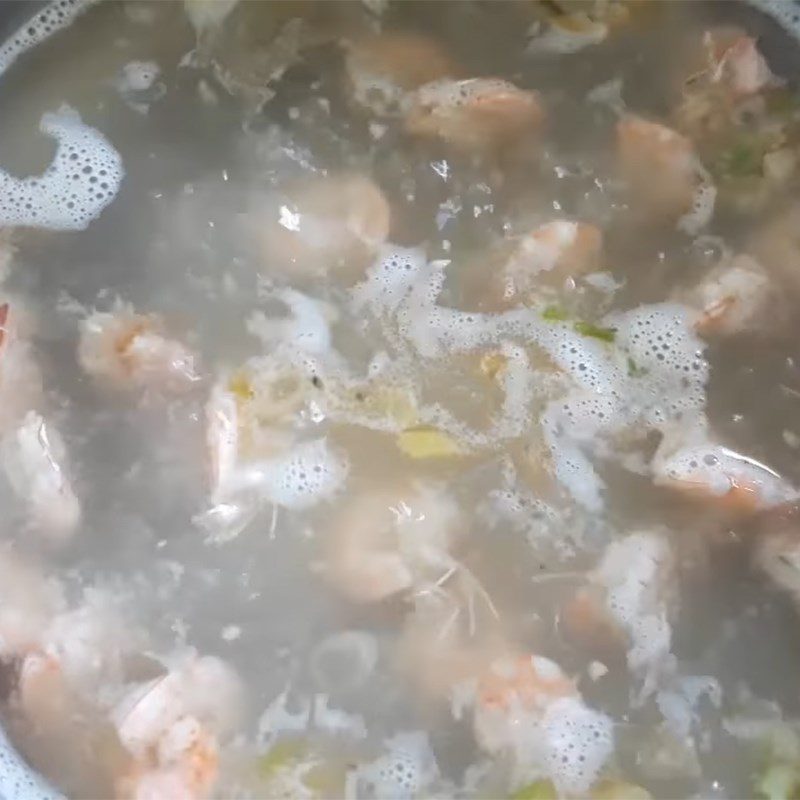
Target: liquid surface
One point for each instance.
(400, 400)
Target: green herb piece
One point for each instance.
(281, 755)
(780, 781)
(743, 159)
(555, 314)
(595, 331)
(635, 371)
(538, 790)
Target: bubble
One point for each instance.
(310, 473)
(403, 772)
(17, 780)
(578, 742)
(52, 18)
(64, 196)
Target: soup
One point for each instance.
(400, 400)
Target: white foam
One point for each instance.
(48, 20)
(138, 76)
(311, 472)
(404, 772)
(702, 210)
(307, 327)
(578, 743)
(637, 573)
(83, 178)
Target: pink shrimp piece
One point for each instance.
(20, 377)
(333, 224)
(527, 708)
(28, 601)
(382, 69)
(387, 542)
(735, 296)
(130, 350)
(523, 684)
(555, 250)
(34, 460)
(716, 475)
(170, 728)
(658, 163)
(737, 63)
(477, 115)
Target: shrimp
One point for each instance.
(526, 707)
(20, 377)
(28, 601)
(659, 164)
(382, 69)
(171, 727)
(34, 460)
(389, 542)
(556, 250)
(129, 350)
(334, 223)
(735, 296)
(475, 116)
(736, 63)
(699, 467)
(61, 654)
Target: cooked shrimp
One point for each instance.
(20, 377)
(736, 295)
(527, 708)
(382, 69)
(388, 542)
(170, 726)
(736, 63)
(479, 115)
(28, 601)
(130, 350)
(659, 164)
(333, 223)
(708, 471)
(556, 250)
(515, 684)
(34, 460)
